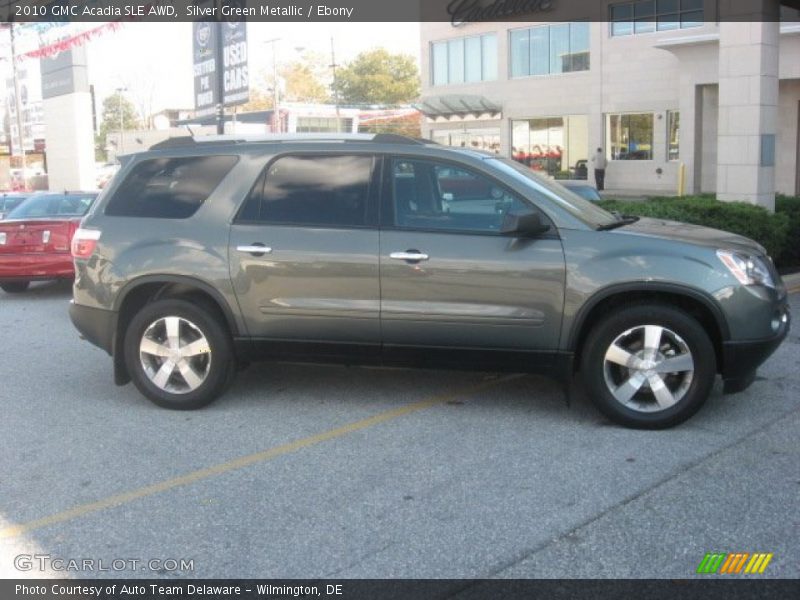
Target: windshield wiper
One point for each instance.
(620, 222)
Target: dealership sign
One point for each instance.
(206, 37)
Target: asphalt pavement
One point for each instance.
(336, 472)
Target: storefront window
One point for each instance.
(557, 146)
(487, 139)
(630, 136)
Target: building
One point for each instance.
(660, 84)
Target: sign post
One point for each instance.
(220, 67)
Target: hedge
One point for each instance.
(778, 232)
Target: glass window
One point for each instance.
(52, 205)
(673, 134)
(484, 138)
(630, 136)
(169, 188)
(488, 57)
(462, 60)
(520, 52)
(557, 48)
(439, 63)
(556, 146)
(646, 16)
(331, 191)
(438, 196)
(472, 61)
(455, 61)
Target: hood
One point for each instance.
(694, 234)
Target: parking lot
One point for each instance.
(335, 472)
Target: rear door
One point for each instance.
(449, 278)
(304, 252)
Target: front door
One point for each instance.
(304, 252)
(449, 278)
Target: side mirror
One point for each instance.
(524, 223)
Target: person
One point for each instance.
(600, 162)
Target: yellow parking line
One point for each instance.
(243, 461)
(794, 290)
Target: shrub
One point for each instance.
(790, 206)
(771, 230)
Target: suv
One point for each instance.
(206, 254)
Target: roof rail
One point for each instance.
(385, 138)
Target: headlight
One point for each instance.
(2, 238)
(747, 268)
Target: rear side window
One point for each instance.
(330, 191)
(169, 188)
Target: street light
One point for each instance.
(119, 97)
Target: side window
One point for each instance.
(428, 195)
(169, 188)
(328, 191)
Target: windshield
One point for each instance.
(582, 209)
(47, 206)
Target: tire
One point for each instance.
(185, 373)
(14, 287)
(623, 366)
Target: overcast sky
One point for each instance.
(155, 59)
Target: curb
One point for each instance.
(792, 282)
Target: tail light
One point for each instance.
(84, 242)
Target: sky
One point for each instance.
(154, 60)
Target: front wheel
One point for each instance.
(14, 287)
(648, 366)
(178, 354)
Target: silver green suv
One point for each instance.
(203, 255)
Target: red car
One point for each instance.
(35, 238)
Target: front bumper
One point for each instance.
(95, 325)
(740, 359)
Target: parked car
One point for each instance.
(583, 188)
(9, 201)
(35, 238)
(206, 254)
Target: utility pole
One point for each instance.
(277, 125)
(18, 107)
(335, 89)
(121, 123)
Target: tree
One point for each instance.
(302, 80)
(114, 106)
(302, 83)
(378, 77)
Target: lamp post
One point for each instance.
(119, 109)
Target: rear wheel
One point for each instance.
(648, 366)
(178, 354)
(14, 287)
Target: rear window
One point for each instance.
(169, 188)
(45, 206)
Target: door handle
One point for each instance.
(409, 255)
(254, 249)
